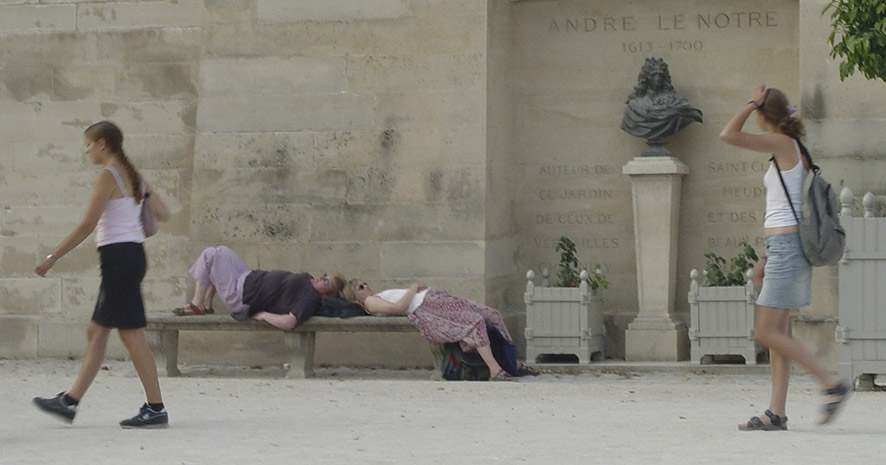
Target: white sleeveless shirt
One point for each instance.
(121, 219)
(778, 210)
(394, 295)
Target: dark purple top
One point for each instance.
(281, 292)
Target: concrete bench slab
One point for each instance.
(163, 328)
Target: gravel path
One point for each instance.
(223, 415)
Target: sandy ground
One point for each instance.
(222, 415)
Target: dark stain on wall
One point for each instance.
(814, 104)
(388, 141)
(161, 81)
(277, 230)
(26, 83)
(109, 109)
(462, 186)
(434, 185)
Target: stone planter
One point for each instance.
(722, 321)
(563, 320)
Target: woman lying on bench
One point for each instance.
(440, 317)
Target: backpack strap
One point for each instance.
(812, 166)
(785, 187)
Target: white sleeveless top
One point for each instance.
(121, 219)
(778, 210)
(394, 295)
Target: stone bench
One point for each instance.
(163, 329)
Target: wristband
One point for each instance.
(51, 258)
(754, 103)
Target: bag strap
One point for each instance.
(119, 181)
(785, 187)
(144, 186)
(812, 166)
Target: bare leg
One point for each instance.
(780, 369)
(286, 321)
(208, 295)
(143, 360)
(486, 354)
(199, 296)
(97, 337)
(769, 323)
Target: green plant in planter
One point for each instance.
(569, 274)
(717, 274)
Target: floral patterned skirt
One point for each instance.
(443, 317)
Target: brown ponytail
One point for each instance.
(113, 137)
(775, 110)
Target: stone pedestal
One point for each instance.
(654, 335)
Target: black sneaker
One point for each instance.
(57, 406)
(147, 419)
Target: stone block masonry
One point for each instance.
(310, 135)
(449, 141)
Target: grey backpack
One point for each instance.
(822, 236)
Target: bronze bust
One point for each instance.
(654, 111)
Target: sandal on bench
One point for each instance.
(192, 309)
(776, 423)
(838, 395)
(502, 376)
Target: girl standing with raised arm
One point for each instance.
(114, 212)
(783, 272)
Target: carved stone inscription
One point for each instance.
(578, 200)
(678, 22)
(668, 22)
(574, 64)
(565, 194)
(740, 183)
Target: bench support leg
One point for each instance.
(301, 350)
(164, 344)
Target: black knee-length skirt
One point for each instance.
(119, 303)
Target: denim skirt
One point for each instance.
(787, 278)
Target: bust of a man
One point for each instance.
(654, 111)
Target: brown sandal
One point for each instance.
(502, 375)
(776, 423)
(191, 309)
(837, 399)
(526, 370)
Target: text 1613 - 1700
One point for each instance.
(669, 46)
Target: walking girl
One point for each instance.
(783, 271)
(114, 212)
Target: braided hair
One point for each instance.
(113, 137)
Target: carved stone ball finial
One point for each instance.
(654, 111)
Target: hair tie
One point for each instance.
(792, 110)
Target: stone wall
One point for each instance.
(575, 64)
(304, 134)
(447, 141)
(844, 122)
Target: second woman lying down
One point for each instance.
(440, 317)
